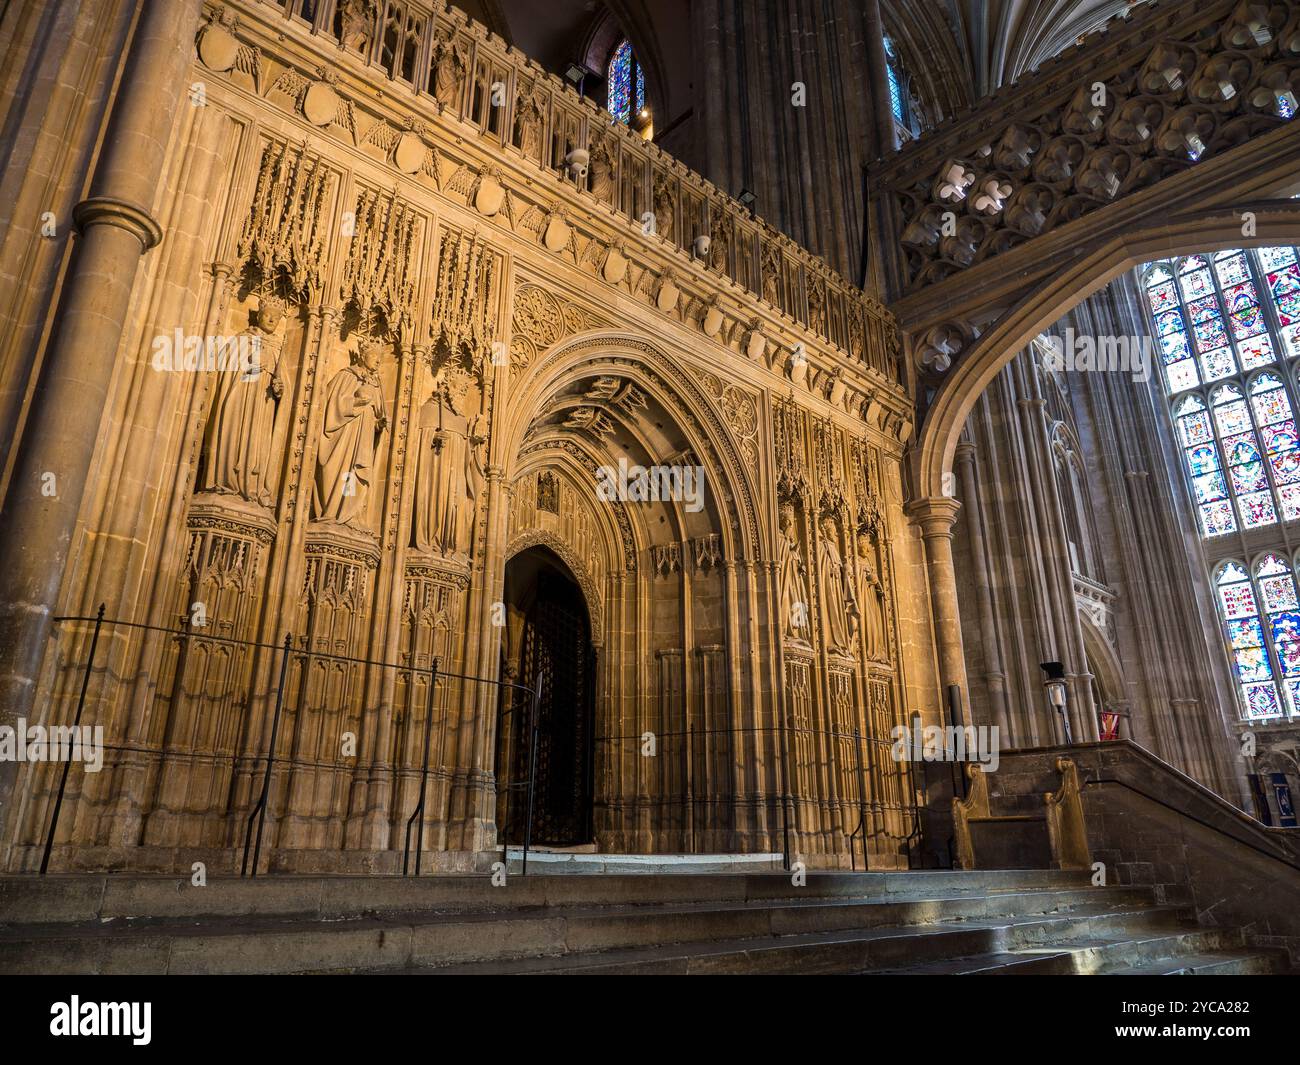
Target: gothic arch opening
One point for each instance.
(1206, 232)
(548, 643)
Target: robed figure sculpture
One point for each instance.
(871, 604)
(448, 472)
(793, 580)
(836, 592)
(355, 417)
(241, 427)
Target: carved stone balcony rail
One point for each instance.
(446, 80)
(1150, 96)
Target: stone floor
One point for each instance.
(921, 922)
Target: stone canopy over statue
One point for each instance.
(242, 423)
(355, 417)
(448, 471)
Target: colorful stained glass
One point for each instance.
(1231, 268)
(1158, 273)
(1202, 459)
(1241, 448)
(1218, 364)
(1209, 334)
(1247, 321)
(1195, 428)
(1261, 700)
(1257, 509)
(1284, 285)
(1291, 340)
(1175, 346)
(1197, 283)
(1248, 477)
(1218, 518)
(1278, 593)
(1206, 307)
(1252, 664)
(1230, 414)
(1271, 405)
(1286, 466)
(1272, 258)
(1182, 375)
(1279, 437)
(626, 84)
(1245, 633)
(1169, 322)
(1192, 263)
(1290, 497)
(1163, 297)
(1257, 351)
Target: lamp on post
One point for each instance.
(1055, 685)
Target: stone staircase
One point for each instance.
(978, 921)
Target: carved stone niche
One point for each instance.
(228, 541)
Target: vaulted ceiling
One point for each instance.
(960, 50)
(956, 50)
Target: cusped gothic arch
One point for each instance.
(554, 542)
(1214, 229)
(678, 391)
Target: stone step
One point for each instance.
(846, 951)
(1094, 955)
(262, 943)
(103, 897)
(1246, 962)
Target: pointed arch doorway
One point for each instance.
(548, 639)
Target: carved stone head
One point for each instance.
(270, 313)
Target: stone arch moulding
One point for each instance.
(677, 390)
(1211, 230)
(554, 542)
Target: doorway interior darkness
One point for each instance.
(548, 640)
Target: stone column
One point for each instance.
(935, 518)
(994, 677)
(60, 436)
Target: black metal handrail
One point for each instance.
(257, 815)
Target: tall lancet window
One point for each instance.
(1227, 333)
(626, 81)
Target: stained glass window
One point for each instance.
(1227, 329)
(1216, 319)
(626, 82)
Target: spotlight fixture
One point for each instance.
(575, 74)
(1055, 686)
(747, 199)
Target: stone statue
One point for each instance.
(447, 470)
(241, 427)
(356, 17)
(355, 418)
(448, 69)
(665, 216)
(792, 580)
(836, 592)
(871, 602)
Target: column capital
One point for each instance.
(934, 516)
(109, 210)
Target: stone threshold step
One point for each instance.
(1264, 961)
(778, 917)
(871, 912)
(104, 896)
(1081, 956)
(843, 951)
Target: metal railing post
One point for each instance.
(76, 725)
(259, 811)
(418, 816)
(862, 796)
(532, 770)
